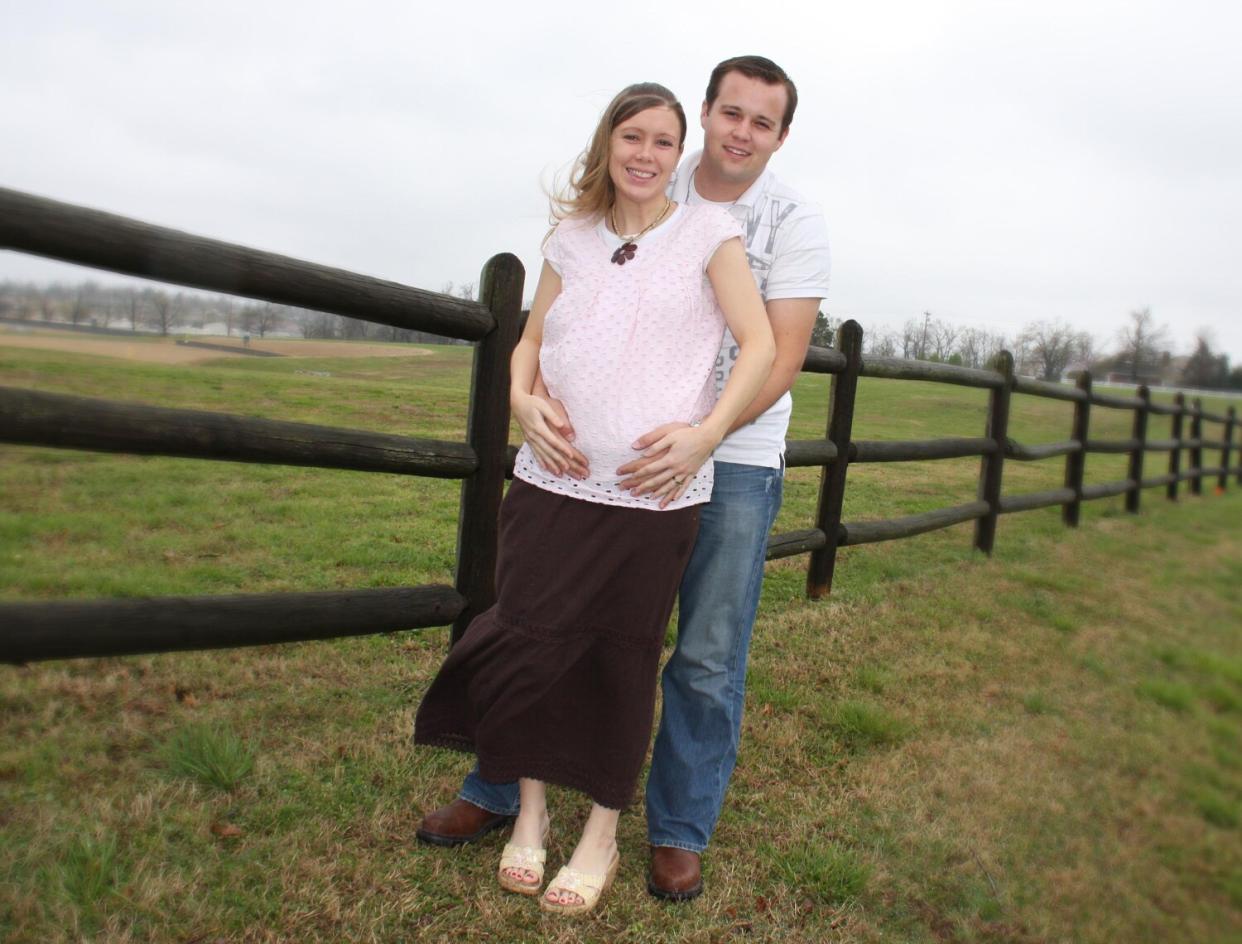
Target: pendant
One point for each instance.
(624, 253)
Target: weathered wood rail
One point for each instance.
(32, 631)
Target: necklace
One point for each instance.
(629, 244)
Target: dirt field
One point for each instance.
(167, 351)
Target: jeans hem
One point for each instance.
(685, 847)
(484, 805)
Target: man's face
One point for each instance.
(742, 128)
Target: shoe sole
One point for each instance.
(439, 839)
(665, 895)
(518, 888)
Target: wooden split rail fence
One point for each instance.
(32, 631)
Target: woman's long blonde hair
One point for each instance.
(590, 191)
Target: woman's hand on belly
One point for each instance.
(672, 454)
(546, 427)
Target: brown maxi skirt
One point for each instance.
(557, 681)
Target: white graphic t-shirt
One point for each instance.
(787, 245)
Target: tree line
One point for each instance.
(152, 310)
(1140, 352)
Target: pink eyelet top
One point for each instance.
(630, 347)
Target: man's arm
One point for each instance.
(792, 320)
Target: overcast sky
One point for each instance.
(993, 163)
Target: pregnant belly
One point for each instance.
(605, 454)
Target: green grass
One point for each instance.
(1041, 746)
(823, 871)
(862, 724)
(89, 873)
(1173, 695)
(212, 756)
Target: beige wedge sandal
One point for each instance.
(526, 858)
(588, 886)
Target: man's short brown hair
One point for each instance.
(756, 67)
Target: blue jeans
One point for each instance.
(704, 681)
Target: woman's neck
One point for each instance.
(629, 216)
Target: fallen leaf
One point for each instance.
(226, 830)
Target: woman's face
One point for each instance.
(643, 153)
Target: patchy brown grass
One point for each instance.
(1042, 747)
(993, 816)
(166, 350)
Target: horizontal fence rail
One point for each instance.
(870, 532)
(106, 241)
(31, 631)
(897, 368)
(1015, 450)
(70, 422)
(65, 630)
(916, 450)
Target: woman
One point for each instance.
(556, 683)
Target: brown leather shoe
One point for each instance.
(459, 823)
(675, 874)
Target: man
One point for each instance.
(749, 105)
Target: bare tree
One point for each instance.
(261, 318)
(942, 338)
(975, 347)
(227, 307)
(134, 307)
(883, 344)
(77, 311)
(351, 329)
(913, 336)
(266, 318)
(165, 310)
(1049, 347)
(1142, 342)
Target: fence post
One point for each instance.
(1196, 450)
(1135, 469)
(487, 431)
(1240, 463)
(993, 465)
(1230, 423)
(1175, 455)
(844, 388)
(1076, 462)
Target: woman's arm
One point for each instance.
(689, 447)
(542, 423)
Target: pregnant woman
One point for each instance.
(556, 682)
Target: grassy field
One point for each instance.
(1044, 746)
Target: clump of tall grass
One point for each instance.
(88, 872)
(213, 756)
(1174, 695)
(861, 724)
(826, 871)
